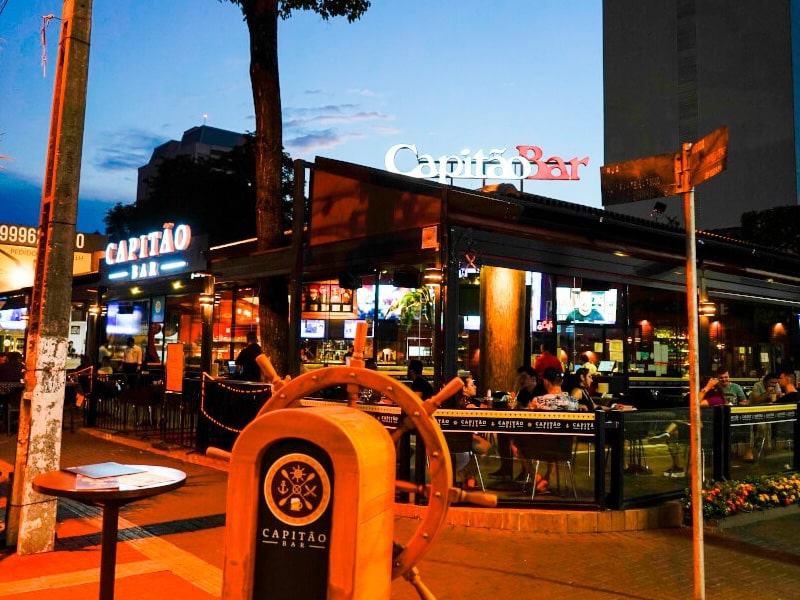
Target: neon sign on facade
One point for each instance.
(142, 256)
(527, 164)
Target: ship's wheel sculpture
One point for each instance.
(416, 415)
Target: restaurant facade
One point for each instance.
(467, 281)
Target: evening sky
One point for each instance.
(444, 75)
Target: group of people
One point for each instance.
(719, 390)
(543, 386)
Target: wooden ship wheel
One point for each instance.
(416, 415)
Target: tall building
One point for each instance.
(202, 141)
(675, 70)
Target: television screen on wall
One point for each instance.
(350, 329)
(124, 319)
(388, 296)
(312, 329)
(594, 307)
(13, 318)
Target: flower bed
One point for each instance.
(725, 498)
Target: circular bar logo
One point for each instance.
(297, 489)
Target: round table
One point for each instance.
(63, 484)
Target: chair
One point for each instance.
(461, 443)
(535, 448)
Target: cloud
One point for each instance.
(310, 143)
(362, 92)
(325, 108)
(125, 150)
(335, 118)
(310, 129)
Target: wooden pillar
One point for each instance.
(503, 319)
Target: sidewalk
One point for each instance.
(172, 546)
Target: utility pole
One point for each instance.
(32, 516)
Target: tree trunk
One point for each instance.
(273, 308)
(503, 319)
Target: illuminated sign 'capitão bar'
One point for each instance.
(528, 164)
(145, 254)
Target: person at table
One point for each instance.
(466, 398)
(12, 369)
(529, 447)
(526, 385)
(732, 392)
(419, 385)
(581, 393)
(765, 390)
(586, 363)
(554, 397)
(526, 389)
(469, 394)
(787, 383)
(246, 364)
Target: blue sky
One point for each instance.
(445, 75)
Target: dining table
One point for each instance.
(109, 486)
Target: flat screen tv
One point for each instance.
(13, 318)
(388, 295)
(124, 319)
(312, 328)
(350, 329)
(594, 307)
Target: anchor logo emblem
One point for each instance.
(297, 489)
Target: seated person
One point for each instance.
(526, 378)
(554, 398)
(787, 382)
(546, 447)
(581, 393)
(764, 391)
(464, 444)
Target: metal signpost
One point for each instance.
(669, 175)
